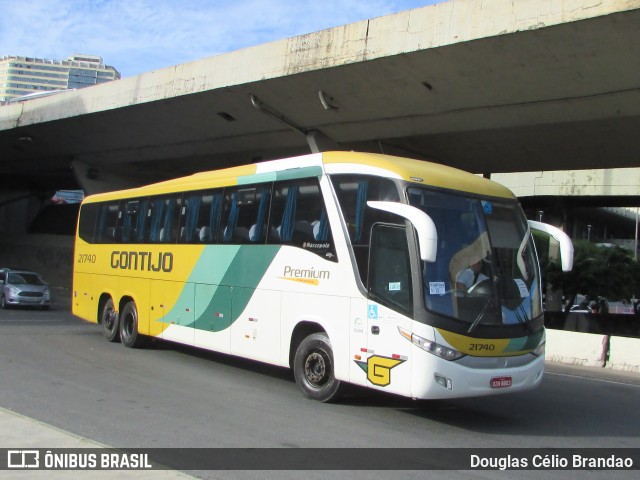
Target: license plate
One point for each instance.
(501, 382)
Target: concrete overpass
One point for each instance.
(487, 86)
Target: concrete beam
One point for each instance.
(429, 27)
(599, 182)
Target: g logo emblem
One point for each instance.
(378, 369)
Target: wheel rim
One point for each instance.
(109, 319)
(317, 368)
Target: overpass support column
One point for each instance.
(319, 142)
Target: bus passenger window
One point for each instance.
(133, 221)
(107, 223)
(209, 218)
(88, 220)
(299, 217)
(164, 219)
(246, 212)
(171, 222)
(354, 191)
(190, 216)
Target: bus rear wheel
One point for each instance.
(109, 320)
(129, 335)
(313, 369)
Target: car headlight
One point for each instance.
(13, 291)
(434, 348)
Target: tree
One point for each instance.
(598, 271)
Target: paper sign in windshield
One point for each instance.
(437, 288)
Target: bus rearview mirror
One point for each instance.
(565, 243)
(423, 224)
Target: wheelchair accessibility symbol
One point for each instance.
(373, 312)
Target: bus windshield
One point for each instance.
(486, 271)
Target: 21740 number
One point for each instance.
(86, 258)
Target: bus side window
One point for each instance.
(133, 221)
(354, 191)
(297, 205)
(88, 221)
(107, 223)
(389, 279)
(246, 212)
(299, 217)
(154, 214)
(171, 222)
(164, 221)
(190, 216)
(201, 220)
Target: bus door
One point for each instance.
(389, 306)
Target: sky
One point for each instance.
(137, 36)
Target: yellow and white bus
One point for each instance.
(346, 267)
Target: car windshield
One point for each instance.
(486, 271)
(25, 278)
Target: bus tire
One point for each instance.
(109, 320)
(129, 335)
(313, 369)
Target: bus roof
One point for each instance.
(417, 171)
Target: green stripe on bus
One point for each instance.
(530, 342)
(246, 270)
(257, 178)
(224, 282)
(294, 173)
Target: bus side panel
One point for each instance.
(256, 332)
(137, 289)
(389, 356)
(358, 341)
(212, 317)
(171, 305)
(181, 317)
(107, 284)
(85, 303)
(330, 312)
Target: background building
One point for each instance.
(25, 75)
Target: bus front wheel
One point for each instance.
(313, 369)
(109, 320)
(129, 335)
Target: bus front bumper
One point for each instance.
(453, 380)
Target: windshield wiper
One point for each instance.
(494, 276)
(523, 318)
(476, 322)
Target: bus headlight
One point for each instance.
(430, 346)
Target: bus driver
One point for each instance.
(471, 275)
